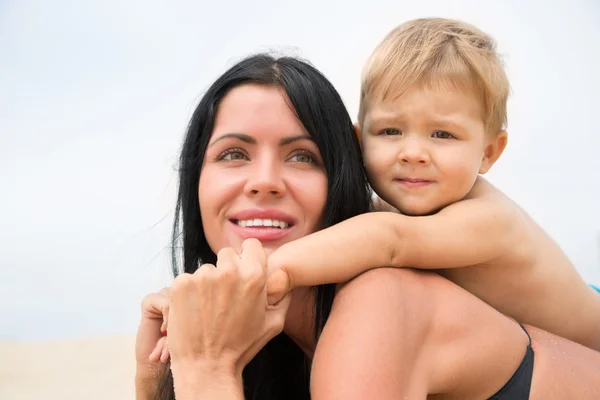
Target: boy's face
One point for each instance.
(424, 150)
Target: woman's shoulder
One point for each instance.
(388, 285)
(373, 342)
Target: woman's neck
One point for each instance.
(300, 320)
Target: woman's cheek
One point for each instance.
(315, 199)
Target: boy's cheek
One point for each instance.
(378, 157)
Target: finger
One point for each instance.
(274, 323)
(164, 357)
(278, 285)
(205, 270)
(254, 260)
(227, 260)
(148, 332)
(165, 313)
(158, 350)
(204, 274)
(153, 305)
(166, 293)
(252, 250)
(275, 316)
(182, 284)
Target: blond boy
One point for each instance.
(431, 121)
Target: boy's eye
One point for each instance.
(442, 135)
(232, 155)
(390, 132)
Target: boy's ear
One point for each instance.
(493, 150)
(357, 131)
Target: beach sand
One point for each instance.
(90, 369)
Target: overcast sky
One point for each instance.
(95, 96)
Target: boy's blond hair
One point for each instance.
(434, 53)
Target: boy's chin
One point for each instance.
(420, 210)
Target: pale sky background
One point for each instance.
(95, 97)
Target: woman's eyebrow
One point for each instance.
(250, 140)
(292, 139)
(240, 136)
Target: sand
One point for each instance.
(90, 369)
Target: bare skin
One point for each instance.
(424, 153)
(484, 243)
(402, 332)
(535, 283)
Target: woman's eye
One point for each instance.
(303, 158)
(390, 132)
(232, 155)
(442, 135)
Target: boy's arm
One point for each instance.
(465, 233)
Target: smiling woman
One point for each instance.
(270, 154)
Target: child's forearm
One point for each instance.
(341, 252)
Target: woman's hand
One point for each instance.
(219, 319)
(155, 308)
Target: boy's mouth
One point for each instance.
(413, 183)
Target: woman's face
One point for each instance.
(263, 176)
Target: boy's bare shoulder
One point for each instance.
(487, 199)
(508, 216)
(484, 190)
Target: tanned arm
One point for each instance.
(466, 233)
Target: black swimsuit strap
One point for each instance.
(519, 385)
(527, 333)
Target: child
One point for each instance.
(431, 120)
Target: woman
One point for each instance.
(270, 154)
(323, 186)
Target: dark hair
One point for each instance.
(280, 370)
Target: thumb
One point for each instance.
(278, 285)
(275, 318)
(274, 323)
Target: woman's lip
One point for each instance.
(263, 234)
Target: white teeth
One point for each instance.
(263, 222)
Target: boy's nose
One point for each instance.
(413, 152)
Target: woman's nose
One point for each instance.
(265, 180)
